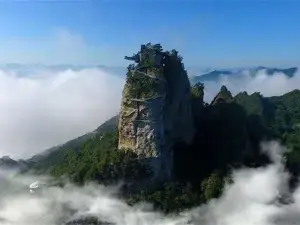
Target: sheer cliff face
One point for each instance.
(156, 108)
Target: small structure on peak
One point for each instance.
(135, 58)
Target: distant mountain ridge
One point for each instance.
(215, 75)
(8, 163)
(196, 74)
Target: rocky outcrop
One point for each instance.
(224, 96)
(156, 108)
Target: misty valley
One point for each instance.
(168, 157)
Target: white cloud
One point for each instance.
(54, 205)
(267, 85)
(253, 197)
(50, 108)
(250, 200)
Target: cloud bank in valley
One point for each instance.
(277, 84)
(55, 205)
(48, 107)
(42, 107)
(251, 200)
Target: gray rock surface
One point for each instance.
(154, 117)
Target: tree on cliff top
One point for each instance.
(141, 79)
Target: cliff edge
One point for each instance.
(156, 108)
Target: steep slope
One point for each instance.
(285, 110)
(55, 155)
(224, 96)
(278, 113)
(156, 108)
(228, 136)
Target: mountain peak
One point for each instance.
(224, 96)
(224, 89)
(156, 107)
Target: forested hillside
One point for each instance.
(53, 156)
(228, 134)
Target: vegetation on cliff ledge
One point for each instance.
(141, 77)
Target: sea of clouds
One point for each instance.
(50, 107)
(250, 200)
(268, 85)
(41, 107)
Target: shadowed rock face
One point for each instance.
(155, 109)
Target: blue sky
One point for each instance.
(208, 33)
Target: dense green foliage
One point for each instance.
(100, 160)
(197, 95)
(55, 156)
(141, 86)
(197, 91)
(213, 185)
